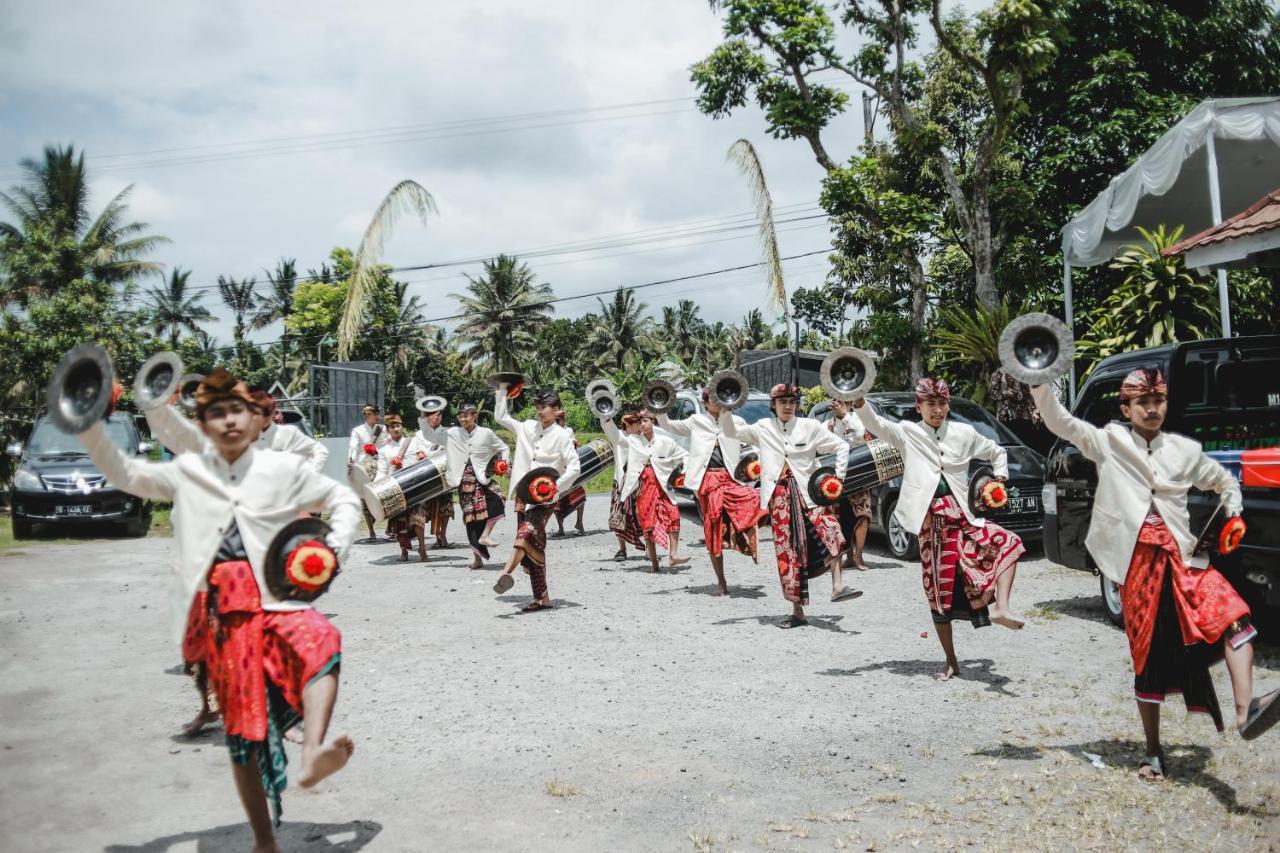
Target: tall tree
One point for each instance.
(680, 328)
(504, 308)
(743, 155)
(773, 51)
(53, 238)
(175, 309)
(277, 304)
(621, 335)
(240, 298)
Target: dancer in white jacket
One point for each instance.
(651, 462)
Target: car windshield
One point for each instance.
(754, 410)
(48, 440)
(964, 411)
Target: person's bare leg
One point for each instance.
(1240, 668)
(652, 550)
(422, 543)
(368, 522)
(673, 554)
(860, 541)
(320, 759)
(952, 667)
(717, 565)
(837, 575)
(1149, 712)
(487, 538)
(622, 548)
(207, 715)
(579, 527)
(1000, 613)
(517, 554)
(254, 799)
(797, 610)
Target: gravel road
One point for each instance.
(641, 714)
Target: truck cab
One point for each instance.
(1225, 394)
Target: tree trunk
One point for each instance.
(984, 251)
(919, 299)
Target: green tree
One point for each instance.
(504, 308)
(681, 326)
(240, 298)
(277, 304)
(557, 359)
(174, 309)
(54, 240)
(621, 335)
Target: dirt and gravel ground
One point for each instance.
(641, 714)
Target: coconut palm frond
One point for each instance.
(743, 155)
(405, 197)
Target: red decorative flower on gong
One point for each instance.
(753, 469)
(310, 566)
(830, 486)
(994, 494)
(1232, 532)
(500, 468)
(542, 489)
(370, 450)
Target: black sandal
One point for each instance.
(793, 621)
(534, 607)
(1264, 712)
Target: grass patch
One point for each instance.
(1045, 613)
(6, 536)
(701, 841)
(556, 788)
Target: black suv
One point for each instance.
(1225, 393)
(56, 483)
(1024, 515)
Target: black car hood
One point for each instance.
(61, 465)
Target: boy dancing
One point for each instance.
(399, 452)
(967, 562)
(651, 461)
(271, 662)
(623, 520)
(1180, 614)
(806, 538)
(854, 509)
(730, 509)
(540, 442)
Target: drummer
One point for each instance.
(854, 509)
(398, 453)
(362, 453)
(439, 510)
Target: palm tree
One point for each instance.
(743, 154)
(714, 346)
(680, 328)
(621, 335)
(278, 304)
(54, 240)
(239, 297)
(754, 331)
(174, 309)
(504, 308)
(406, 196)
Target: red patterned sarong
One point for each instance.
(195, 641)
(730, 512)
(569, 504)
(1205, 606)
(949, 542)
(481, 507)
(658, 516)
(406, 526)
(622, 517)
(803, 539)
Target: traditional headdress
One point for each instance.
(370, 407)
(782, 390)
(221, 385)
(1143, 381)
(468, 407)
(265, 402)
(929, 387)
(547, 398)
(393, 420)
(629, 418)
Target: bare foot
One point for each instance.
(653, 568)
(859, 565)
(294, 735)
(266, 847)
(422, 555)
(476, 564)
(488, 543)
(948, 672)
(206, 717)
(1008, 620)
(325, 760)
(721, 590)
(678, 561)
(404, 556)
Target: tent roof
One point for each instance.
(1256, 229)
(1169, 183)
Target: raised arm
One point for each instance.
(502, 411)
(315, 489)
(680, 427)
(1212, 477)
(1091, 440)
(179, 434)
(826, 441)
(610, 430)
(888, 430)
(354, 448)
(731, 428)
(153, 480)
(988, 450)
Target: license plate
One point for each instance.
(75, 509)
(1022, 504)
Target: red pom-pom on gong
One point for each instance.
(1232, 532)
(680, 482)
(994, 494)
(501, 467)
(542, 489)
(753, 470)
(831, 487)
(397, 463)
(371, 450)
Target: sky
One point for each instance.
(254, 131)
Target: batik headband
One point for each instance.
(1143, 381)
(928, 387)
(221, 385)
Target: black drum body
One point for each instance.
(870, 465)
(423, 481)
(593, 457)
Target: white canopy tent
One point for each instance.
(1223, 154)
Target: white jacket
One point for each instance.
(1133, 475)
(798, 443)
(183, 435)
(620, 442)
(537, 447)
(362, 434)
(261, 492)
(478, 447)
(849, 428)
(929, 455)
(704, 434)
(662, 453)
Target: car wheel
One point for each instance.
(137, 527)
(21, 528)
(902, 544)
(1111, 601)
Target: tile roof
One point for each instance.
(1264, 215)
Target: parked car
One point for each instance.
(56, 483)
(1225, 393)
(1024, 514)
